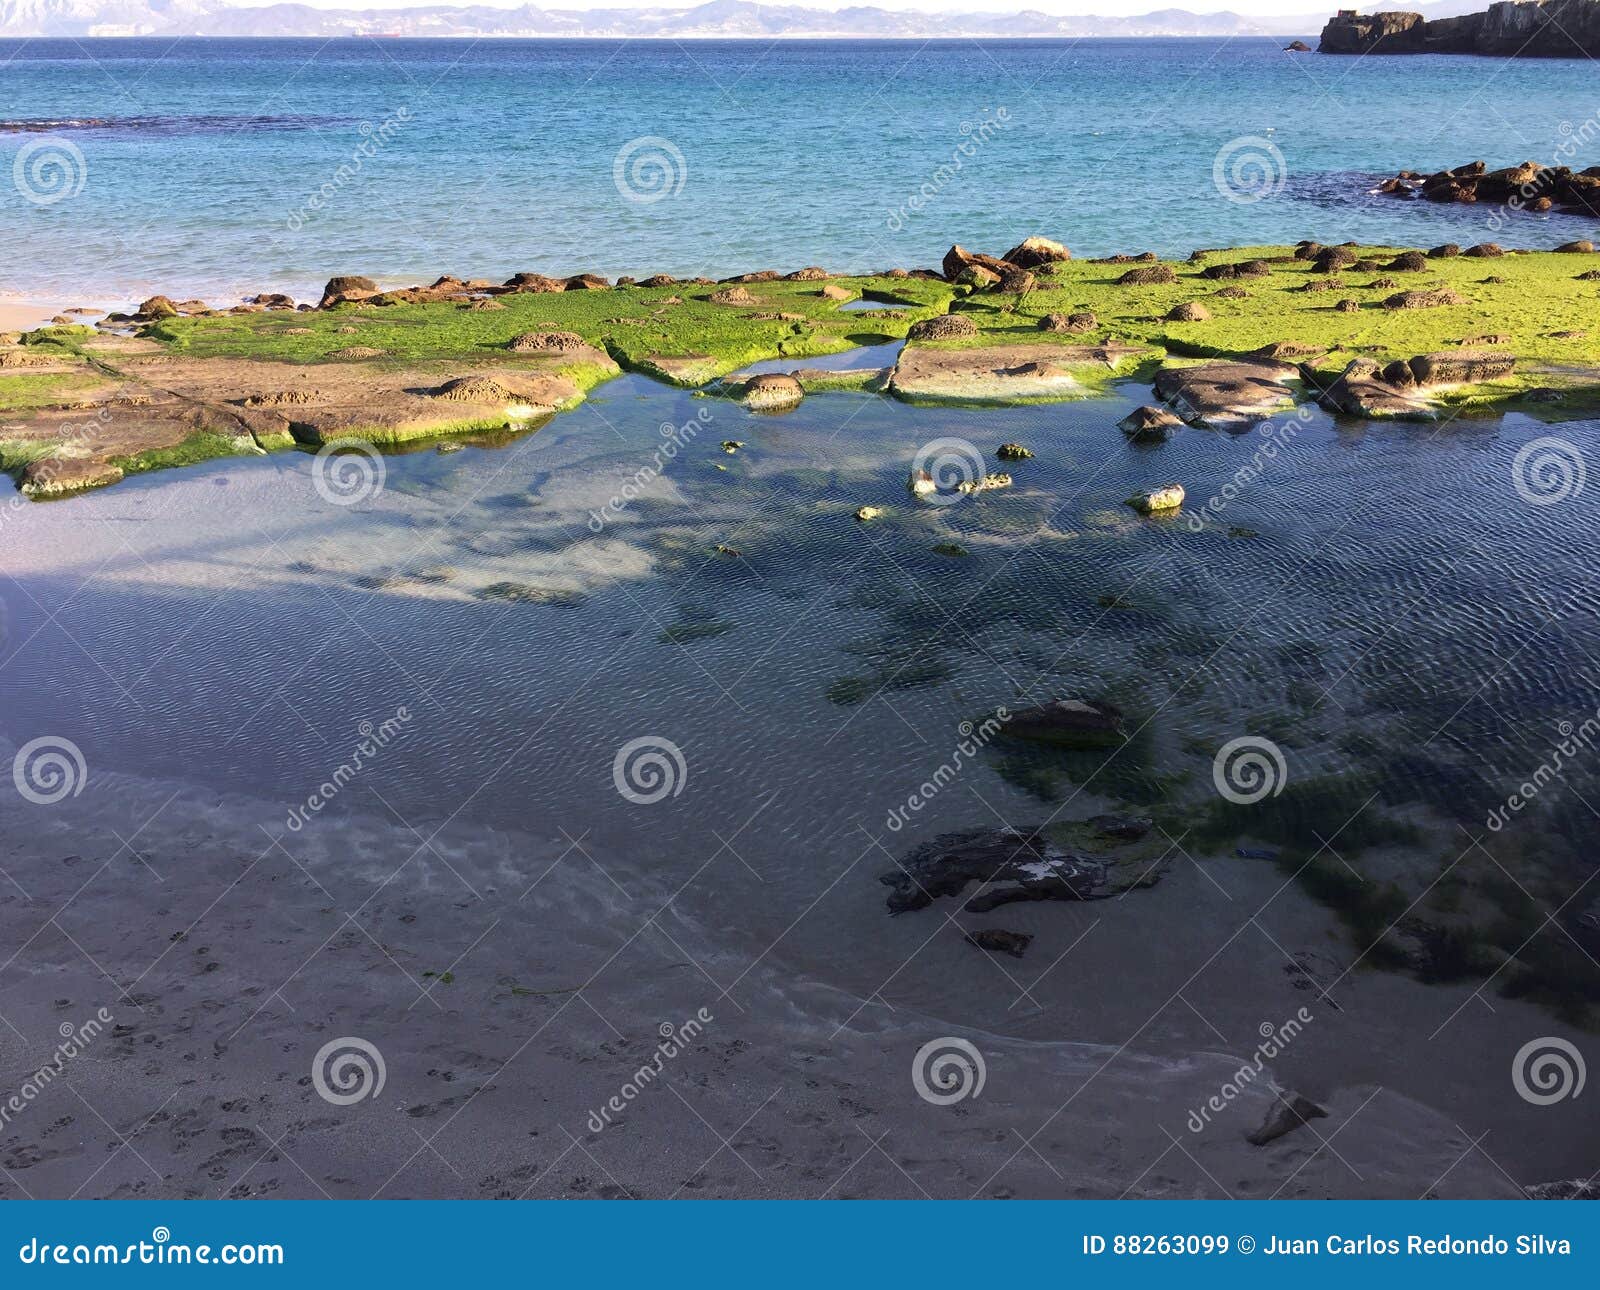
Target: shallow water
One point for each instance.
(855, 155)
(226, 627)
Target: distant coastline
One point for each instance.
(716, 20)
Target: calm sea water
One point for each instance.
(502, 155)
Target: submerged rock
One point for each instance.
(1056, 862)
(989, 482)
(1013, 452)
(865, 513)
(1068, 723)
(998, 941)
(1289, 1111)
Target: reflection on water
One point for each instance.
(1380, 605)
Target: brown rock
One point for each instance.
(347, 288)
(1423, 299)
(1153, 275)
(1032, 252)
(943, 327)
(1408, 262)
(534, 284)
(1192, 311)
(546, 342)
(1069, 323)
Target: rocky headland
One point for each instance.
(1510, 28)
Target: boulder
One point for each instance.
(1151, 501)
(1407, 262)
(1241, 269)
(546, 342)
(1445, 251)
(1485, 251)
(1150, 423)
(943, 327)
(834, 292)
(347, 288)
(958, 259)
(1032, 252)
(586, 282)
(1576, 248)
(811, 273)
(732, 296)
(1460, 367)
(157, 307)
(1233, 293)
(533, 284)
(1297, 47)
(1149, 276)
(1347, 307)
(1227, 395)
(1069, 323)
(1191, 311)
(1333, 258)
(771, 392)
(1361, 391)
(1016, 282)
(1013, 452)
(864, 513)
(1423, 299)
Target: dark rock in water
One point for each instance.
(997, 941)
(1288, 1113)
(1297, 47)
(345, 288)
(1068, 723)
(1057, 862)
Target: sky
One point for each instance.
(1060, 8)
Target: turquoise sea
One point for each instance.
(501, 156)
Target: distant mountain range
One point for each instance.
(727, 19)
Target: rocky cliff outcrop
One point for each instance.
(1510, 28)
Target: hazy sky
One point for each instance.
(1267, 8)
